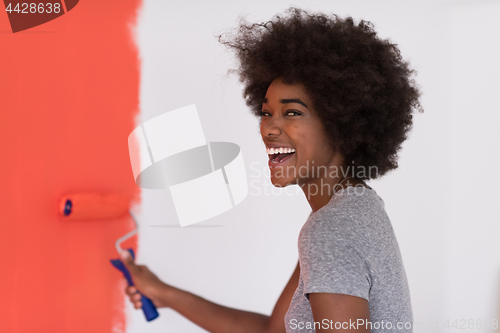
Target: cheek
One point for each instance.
(310, 140)
(315, 148)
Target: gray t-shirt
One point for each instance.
(349, 247)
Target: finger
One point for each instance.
(127, 259)
(138, 305)
(136, 297)
(129, 263)
(130, 290)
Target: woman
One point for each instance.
(335, 104)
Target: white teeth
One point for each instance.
(272, 151)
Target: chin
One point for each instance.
(280, 182)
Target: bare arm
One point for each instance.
(276, 322)
(213, 317)
(340, 312)
(220, 319)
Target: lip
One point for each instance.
(283, 162)
(276, 145)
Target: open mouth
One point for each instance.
(278, 158)
(280, 155)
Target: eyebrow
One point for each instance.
(289, 100)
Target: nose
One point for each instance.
(270, 127)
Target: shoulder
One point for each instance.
(334, 250)
(351, 221)
(348, 211)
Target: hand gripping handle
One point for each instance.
(148, 307)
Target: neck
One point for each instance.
(319, 191)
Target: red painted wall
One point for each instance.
(68, 98)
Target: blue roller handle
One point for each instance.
(148, 307)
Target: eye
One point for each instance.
(265, 113)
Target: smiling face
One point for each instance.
(289, 121)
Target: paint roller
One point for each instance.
(95, 206)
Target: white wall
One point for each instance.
(441, 200)
(473, 137)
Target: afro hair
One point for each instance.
(361, 88)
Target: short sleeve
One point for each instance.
(332, 258)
